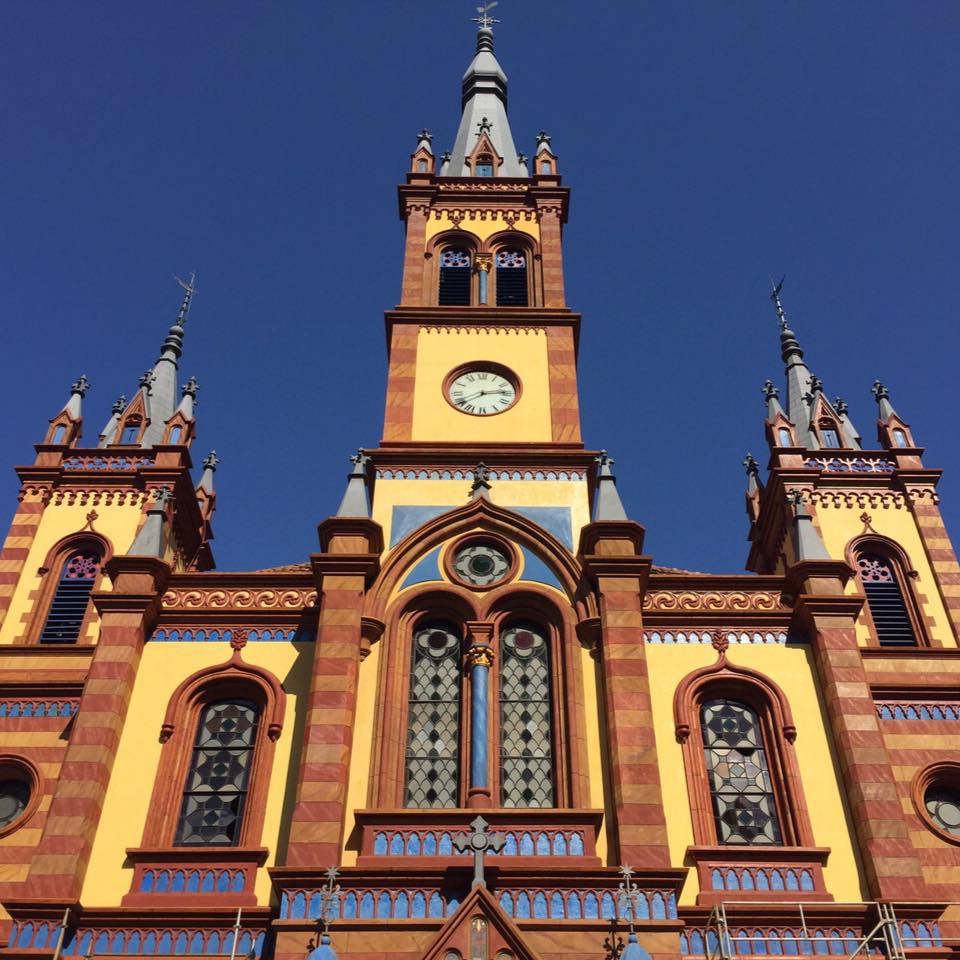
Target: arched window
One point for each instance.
(741, 790)
(215, 791)
(526, 738)
(455, 277)
(483, 166)
(511, 278)
(885, 599)
(68, 607)
(899, 437)
(786, 440)
(433, 725)
(61, 432)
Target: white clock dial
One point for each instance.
(482, 392)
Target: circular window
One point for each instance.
(14, 798)
(19, 792)
(943, 806)
(481, 564)
(936, 796)
(436, 641)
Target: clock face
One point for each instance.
(482, 392)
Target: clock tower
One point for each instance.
(482, 347)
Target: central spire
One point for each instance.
(484, 111)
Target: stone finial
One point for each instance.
(445, 163)
(770, 392)
(150, 540)
(882, 395)
(753, 473)
(841, 406)
(210, 463)
(80, 386)
(190, 388)
(816, 384)
(484, 126)
(543, 142)
(806, 541)
(119, 405)
(354, 502)
(607, 505)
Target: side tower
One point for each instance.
(855, 528)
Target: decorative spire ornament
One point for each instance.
(354, 502)
(329, 907)
(807, 544)
(627, 895)
(150, 540)
(480, 488)
(607, 505)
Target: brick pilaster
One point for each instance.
(350, 559)
(610, 553)
(127, 614)
(16, 547)
(939, 550)
(551, 249)
(414, 248)
(564, 403)
(892, 867)
(401, 377)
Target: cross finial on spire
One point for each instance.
(880, 391)
(190, 387)
(211, 461)
(751, 465)
(485, 20)
(120, 404)
(769, 390)
(81, 385)
(778, 306)
(484, 126)
(146, 381)
(816, 384)
(605, 461)
(841, 406)
(189, 289)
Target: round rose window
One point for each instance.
(943, 807)
(481, 564)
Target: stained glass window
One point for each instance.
(455, 278)
(14, 797)
(742, 793)
(433, 728)
(511, 278)
(526, 739)
(69, 604)
(830, 437)
(215, 792)
(885, 599)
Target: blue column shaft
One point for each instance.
(483, 286)
(479, 776)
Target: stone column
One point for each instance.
(414, 249)
(610, 554)
(891, 864)
(127, 615)
(479, 660)
(349, 560)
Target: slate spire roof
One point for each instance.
(484, 110)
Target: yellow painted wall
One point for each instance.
(524, 351)
(118, 523)
(359, 782)
(163, 667)
(494, 223)
(506, 493)
(839, 525)
(791, 668)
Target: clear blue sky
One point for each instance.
(708, 145)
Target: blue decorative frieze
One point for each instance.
(137, 941)
(919, 710)
(428, 843)
(535, 903)
(35, 707)
(761, 878)
(107, 461)
(217, 635)
(173, 880)
(548, 475)
(706, 636)
(796, 941)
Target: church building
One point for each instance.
(479, 722)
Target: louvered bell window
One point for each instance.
(215, 793)
(741, 792)
(526, 738)
(886, 602)
(69, 604)
(433, 727)
(511, 278)
(455, 278)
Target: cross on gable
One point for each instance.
(480, 843)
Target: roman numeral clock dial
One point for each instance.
(482, 390)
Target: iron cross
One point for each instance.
(480, 843)
(485, 20)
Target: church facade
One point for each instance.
(479, 723)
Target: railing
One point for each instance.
(431, 843)
(97, 461)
